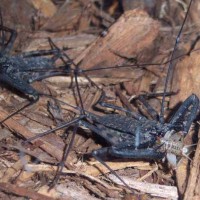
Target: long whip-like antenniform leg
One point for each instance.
(9, 44)
(161, 117)
(65, 125)
(95, 155)
(65, 155)
(19, 110)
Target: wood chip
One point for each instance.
(169, 192)
(135, 31)
(192, 191)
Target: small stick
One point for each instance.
(23, 192)
(169, 192)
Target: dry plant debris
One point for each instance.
(132, 32)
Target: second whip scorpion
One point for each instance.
(19, 71)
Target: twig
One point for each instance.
(169, 192)
(149, 173)
(20, 191)
(10, 172)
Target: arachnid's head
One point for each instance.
(156, 128)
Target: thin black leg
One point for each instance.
(49, 74)
(95, 154)
(65, 125)
(193, 45)
(38, 53)
(2, 31)
(149, 108)
(153, 113)
(59, 55)
(9, 44)
(65, 155)
(102, 103)
(19, 110)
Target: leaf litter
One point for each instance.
(130, 38)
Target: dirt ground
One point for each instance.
(122, 48)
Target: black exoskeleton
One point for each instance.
(137, 138)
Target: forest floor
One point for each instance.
(134, 39)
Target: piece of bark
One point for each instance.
(69, 191)
(192, 191)
(70, 16)
(39, 41)
(98, 168)
(186, 79)
(142, 4)
(182, 169)
(17, 14)
(182, 175)
(195, 14)
(17, 166)
(20, 191)
(36, 153)
(130, 34)
(169, 192)
(46, 7)
(49, 168)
